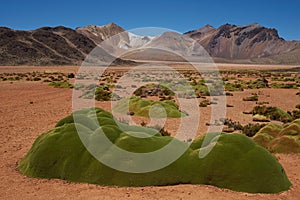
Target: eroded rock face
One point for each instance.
(235, 162)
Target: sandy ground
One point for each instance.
(30, 108)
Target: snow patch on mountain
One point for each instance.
(135, 41)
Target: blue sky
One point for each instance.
(181, 16)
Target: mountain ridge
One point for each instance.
(65, 46)
(242, 42)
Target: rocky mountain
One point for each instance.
(242, 42)
(113, 35)
(228, 43)
(50, 46)
(44, 46)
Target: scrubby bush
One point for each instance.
(204, 103)
(233, 87)
(61, 85)
(37, 79)
(286, 86)
(251, 98)
(272, 113)
(161, 130)
(251, 129)
(99, 92)
(102, 94)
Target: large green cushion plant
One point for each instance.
(235, 161)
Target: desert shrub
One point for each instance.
(213, 88)
(217, 88)
(99, 92)
(204, 103)
(71, 75)
(235, 161)
(79, 86)
(61, 85)
(285, 86)
(232, 124)
(262, 103)
(257, 84)
(295, 114)
(251, 98)
(272, 113)
(143, 123)
(251, 129)
(11, 79)
(233, 87)
(161, 130)
(228, 94)
(102, 94)
(37, 79)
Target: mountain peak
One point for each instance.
(100, 33)
(201, 31)
(206, 28)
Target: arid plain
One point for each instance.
(29, 108)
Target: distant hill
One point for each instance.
(44, 46)
(64, 46)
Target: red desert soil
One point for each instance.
(31, 108)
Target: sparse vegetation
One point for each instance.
(251, 98)
(273, 113)
(61, 84)
(251, 129)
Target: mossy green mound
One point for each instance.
(145, 108)
(235, 162)
(280, 139)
